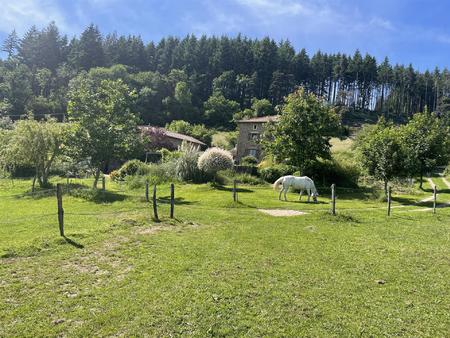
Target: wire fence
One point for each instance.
(164, 200)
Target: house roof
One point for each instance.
(261, 119)
(178, 136)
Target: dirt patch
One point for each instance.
(282, 212)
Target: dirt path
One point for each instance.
(447, 183)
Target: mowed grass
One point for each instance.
(222, 268)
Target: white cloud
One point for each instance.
(21, 14)
(270, 8)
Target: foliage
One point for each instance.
(303, 131)
(167, 155)
(219, 111)
(174, 77)
(35, 144)
(214, 160)
(225, 140)
(381, 152)
(259, 107)
(426, 144)
(130, 168)
(272, 173)
(249, 161)
(228, 176)
(447, 171)
(198, 131)
(153, 174)
(186, 165)
(107, 128)
(339, 172)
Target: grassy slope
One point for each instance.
(223, 269)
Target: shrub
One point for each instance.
(271, 174)
(327, 172)
(228, 176)
(214, 160)
(167, 155)
(130, 168)
(186, 165)
(249, 161)
(447, 171)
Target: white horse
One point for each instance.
(301, 183)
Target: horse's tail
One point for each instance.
(277, 183)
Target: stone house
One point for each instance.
(250, 131)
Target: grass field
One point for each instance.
(222, 268)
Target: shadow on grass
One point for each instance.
(98, 196)
(73, 243)
(410, 201)
(229, 189)
(178, 200)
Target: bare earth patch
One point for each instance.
(282, 212)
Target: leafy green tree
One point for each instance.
(107, 127)
(303, 131)
(381, 152)
(219, 111)
(261, 107)
(426, 144)
(36, 144)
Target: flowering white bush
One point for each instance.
(215, 159)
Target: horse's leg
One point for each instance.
(300, 195)
(281, 191)
(309, 194)
(285, 191)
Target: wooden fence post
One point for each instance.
(389, 201)
(60, 209)
(172, 199)
(333, 199)
(146, 192)
(434, 198)
(103, 183)
(155, 207)
(235, 196)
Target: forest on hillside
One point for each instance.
(206, 79)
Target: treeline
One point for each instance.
(205, 79)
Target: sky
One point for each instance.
(406, 31)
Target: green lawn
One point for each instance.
(222, 268)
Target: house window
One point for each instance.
(253, 137)
(252, 152)
(255, 127)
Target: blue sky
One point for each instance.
(407, 31)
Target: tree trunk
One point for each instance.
(385, 187)
(34, 183)
(96, 177)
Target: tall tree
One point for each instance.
(11, 44)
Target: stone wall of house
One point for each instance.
(248, 140)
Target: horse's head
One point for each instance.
(314, 196)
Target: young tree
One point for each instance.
(107, 125)
(303, 131)
(380, 152)
(426, 144)
(34, 143)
